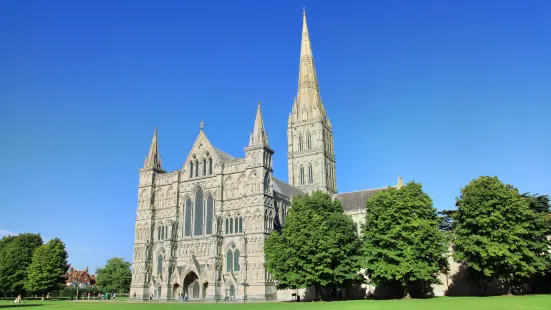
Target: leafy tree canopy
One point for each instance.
(115, 276)
(49, 266)
(402, 242)
(499, 233)
(15, 257)
(318, 245)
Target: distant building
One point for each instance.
(80, 278)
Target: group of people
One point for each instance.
(106, 296)
(100, 296)
(183, 297)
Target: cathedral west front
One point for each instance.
(200, 230)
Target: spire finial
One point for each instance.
(303, 10)
(202, 124)
(258, 102)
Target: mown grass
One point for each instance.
(534, 302)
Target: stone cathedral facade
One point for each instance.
(200, 230)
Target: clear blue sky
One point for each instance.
(438, 92)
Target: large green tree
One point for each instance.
(4, 243)
(15, 257)
(318, 245)
(404, 248)
(498, 234)
(49, 266)
(116, 276)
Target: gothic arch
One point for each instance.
(169, 195)
(241, 184)
(227, 247)
(228, 187)
(248, 220)
(267, 182)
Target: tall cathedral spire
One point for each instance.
(308, 103)
(153, 159)
(311, 156)
(259, 137)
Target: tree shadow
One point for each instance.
(420, 289)
(19, 305)
(389, 290)
(462, 285)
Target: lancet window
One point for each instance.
(232, 259)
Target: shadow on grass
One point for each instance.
(19, 305)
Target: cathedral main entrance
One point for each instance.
(191, 285)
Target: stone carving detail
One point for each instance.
(200, 248)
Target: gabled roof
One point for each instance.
(223, 155)
(286, 189)
(354, 201)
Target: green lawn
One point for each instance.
(539, 302)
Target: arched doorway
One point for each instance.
(204, 292)
(158, 292)
(175, 290)
(232, 291)
(191, 285)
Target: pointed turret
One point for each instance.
(259, 136)
(153, 159)
(400, 182)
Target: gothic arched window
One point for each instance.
(300, 142)
(210, 214)
(301, 175)
(240, 224)
(159, 264)
(210, 166)
(196, 168)
(191, 170)
(229, 260)
(227, 225)
(159, 233)
(310, 174)
(236, 260)
(309, 140)
(231, 225)
(187, 218)
(198, 225)
(204, 167)
(267, 183)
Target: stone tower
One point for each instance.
(311, 156)
(258, 158)
(145, 221)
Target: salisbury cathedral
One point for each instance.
(200, 231)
